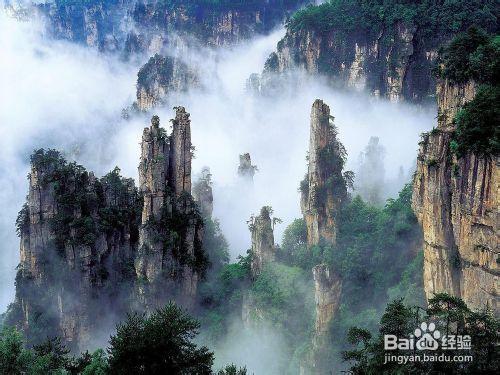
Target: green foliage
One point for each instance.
(161, 343)
(471, 55)
(98, 364)
(55, 355)
(332, 159)
(369, 238)
(451, 316)
(22, 220)
(14, 359)
(86, 207)
(294, 245)
(271, 64)
(215, 245)
(123, 207)
(432, 162)
(477, 122)
(49, 357)
(177, 217)
(221, 295)
(283, 296)
(157, 69)
(232, 370)
(410, 285)
(371, 16)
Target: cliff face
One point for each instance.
(202, 193)
(323, 190)
(171, 227)
(327, 290)
(455, 201)
(97, 24)
(131, 26)
(394, 63)
(78, 237)
(161, 76)
(263, 249)
(93, 248)
(246, 170)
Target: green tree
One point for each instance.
(477, 123)
(451, 316)
(160, 343)
(14, 359)
(232, 370)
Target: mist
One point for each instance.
(59, 95)
(53, 95)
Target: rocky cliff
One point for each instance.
(392, 64)
(96, 248)
(202, 193)
(78, 239)
(456, 202)
(137, 26)
(170, 257)
(324, 189)
(245, 169)
(388, 49)
(327, 290)
(323, 192)
(162, 76)
(263, 249)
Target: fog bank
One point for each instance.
(55, 94)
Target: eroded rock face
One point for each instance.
(165, 251)
(181, 153)
(327, 288)
(246, 170)
(455, 201)
(263, 249)
(395, 63)
(162, 76)
(132, 26)
(72, 253)
(323, 189)
(94, 249)
(202, 193)
(327, 291)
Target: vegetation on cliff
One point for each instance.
(475, 56)
(477, 124)
(471, 55)
(177, 217)
(433, 18)
(86, 206)
(369, 238)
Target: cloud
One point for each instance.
(53, 94)
(57, 94)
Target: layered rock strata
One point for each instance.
(456, 202)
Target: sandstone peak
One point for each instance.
(263, 248)
(324, 188)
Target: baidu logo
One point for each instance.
(427, 337)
